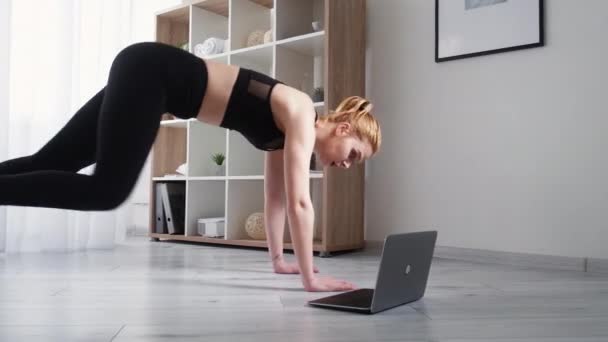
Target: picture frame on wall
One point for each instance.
(470, 28)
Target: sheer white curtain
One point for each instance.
(60, 54)
(5, 10)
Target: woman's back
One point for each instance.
(220, 80)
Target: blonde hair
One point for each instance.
(357, 111)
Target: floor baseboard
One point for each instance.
(553, 262)
(514, 259)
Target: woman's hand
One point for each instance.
(327, 284)
(283, 267)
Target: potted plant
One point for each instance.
(318, 94)
(218, 163)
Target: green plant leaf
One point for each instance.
(218, 158)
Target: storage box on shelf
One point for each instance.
(316, 46)
(211, 227)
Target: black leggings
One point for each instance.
(115, 130)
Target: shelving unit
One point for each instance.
(332, 57)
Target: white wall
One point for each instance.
(5, 24)
(503, 152)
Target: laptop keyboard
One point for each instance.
(361, 298)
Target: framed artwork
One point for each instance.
(469, 28)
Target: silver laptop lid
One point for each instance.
(404, 269)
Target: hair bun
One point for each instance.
(366, 107)
(357, 111)
(355, 104)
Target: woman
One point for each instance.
(117, 127)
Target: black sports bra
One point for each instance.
(249, 112)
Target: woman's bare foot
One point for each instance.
(283, 267)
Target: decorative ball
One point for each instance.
(255, 38)
(254, 226)
(268, 36)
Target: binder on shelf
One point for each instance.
(161, 223)
(174, 200)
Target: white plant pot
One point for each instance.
(219, 170)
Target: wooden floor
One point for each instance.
(167, 291)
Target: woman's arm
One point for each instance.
(274, 212)
(299, 143)
(298, 147)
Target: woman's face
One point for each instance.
(342, 148)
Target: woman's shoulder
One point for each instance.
(290, 101)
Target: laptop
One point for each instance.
(404, 270)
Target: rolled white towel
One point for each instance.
(198, 50)
(182, 169)
(210, 46)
